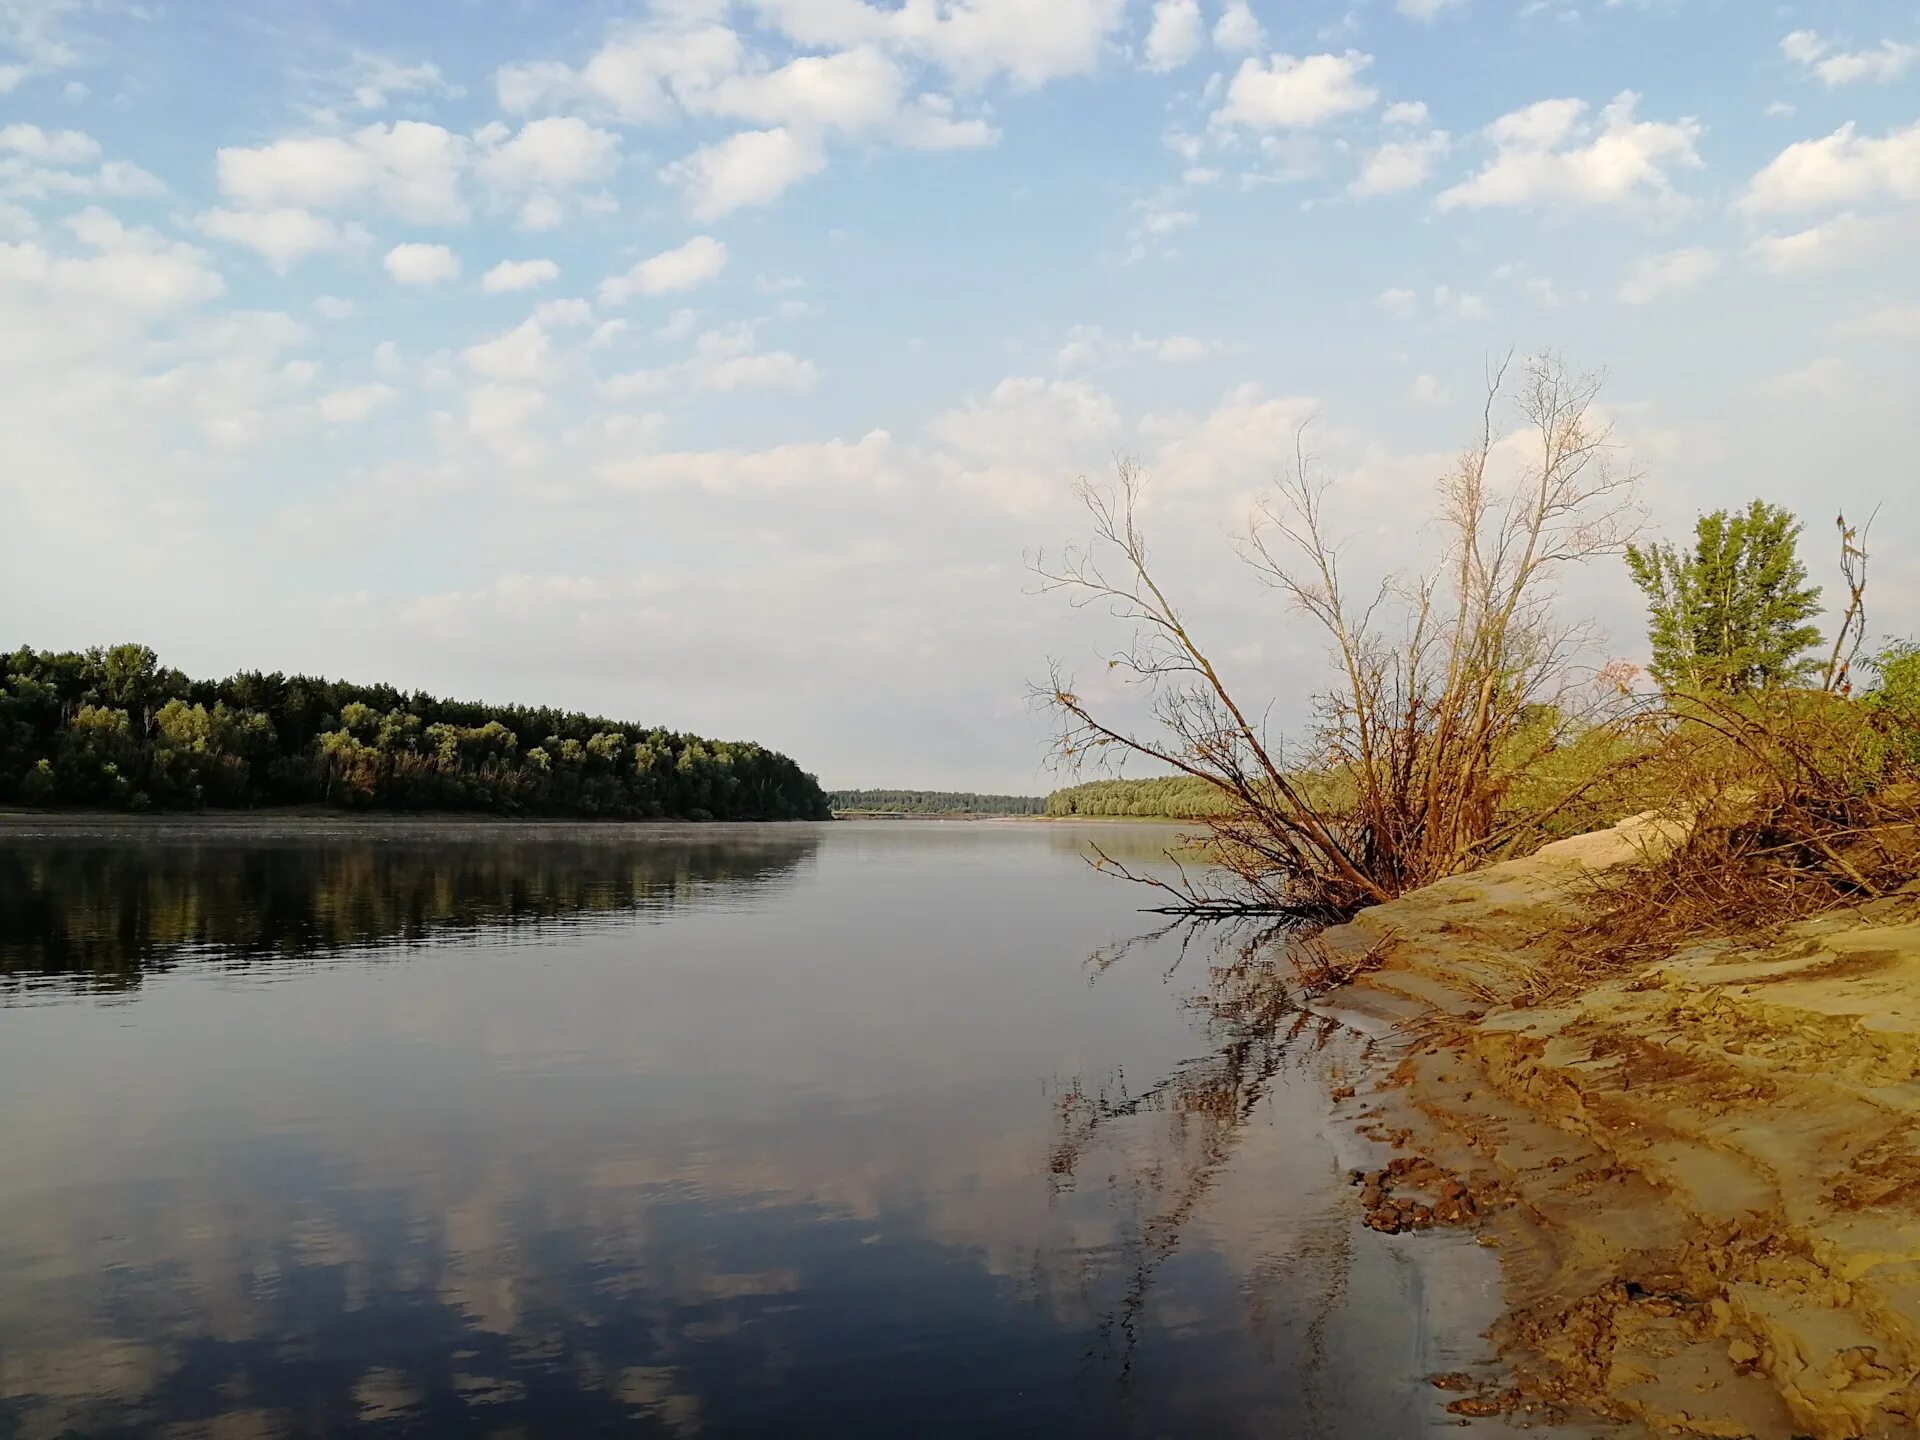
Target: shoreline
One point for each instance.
(324, 815)
(1700, 1176)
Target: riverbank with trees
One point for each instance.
(112, 728)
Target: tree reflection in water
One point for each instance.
(108, 912)
(1252, 1016)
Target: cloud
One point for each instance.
(1537, 288)
(375, 80)
(1015, 444)
(510, 275)
(1175, 35)
(128, 269)
(1237, 29)
(282, 237)
(1426, 9)
(1401, 164)
(334, 307)
(1459, 304)
(1445, 300)
(634, 75)
(722, 360)
(1889, 61)
(1846, 238)
(410, 170)
(671, 272)
(1089, 346)
(865, 464)
(973, 40)
(355, 403)
(557, 152)
(522, 354)
(1844, 168)
(36, 164)
(563, 314)
(29, 180)
(49, 147)
(1288, 93)
(754, 167)
(1888, 322)
(853, 91)
(929, 124)
(1157, 220)
(499, 414)
(1550, 154)
(417, 264)
(682, 63)
(1664, 274)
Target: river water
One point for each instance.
(869, 1129)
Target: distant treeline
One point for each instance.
(112, 727)
(1171, 797)
(937, 802)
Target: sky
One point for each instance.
(723, 364)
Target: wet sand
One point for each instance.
(1701, 1178)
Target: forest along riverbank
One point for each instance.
(1702, 1175)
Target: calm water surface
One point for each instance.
(853, 1130)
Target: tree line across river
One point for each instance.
(1172, 797)
(114, 728)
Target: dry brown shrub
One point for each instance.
(1787, 804)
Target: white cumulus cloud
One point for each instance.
(416, 264)
(511, 275)
(1401, 164)
(1664, 274)
(1886, 62)
(1552, 153)
(754, 167)
(1238, 29)
(1285, 92)
(1175, 35)
(685, 267)
(354, 403)
(1844, 168)
(50, 147)
(282, 237)
(410, 169)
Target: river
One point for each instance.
(864, 1129)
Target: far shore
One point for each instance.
(317, 815)
(14, 815)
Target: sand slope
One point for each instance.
(1703, 1176)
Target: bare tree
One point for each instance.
(1450, 687)
(1853, 621)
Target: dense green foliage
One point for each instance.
(1731, 616)
(1894, 699)
(936, 802)
(113, 728)
(1169, 797)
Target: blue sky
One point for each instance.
(716, 364)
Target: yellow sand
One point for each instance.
(1706, 1172)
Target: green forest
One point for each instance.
(1168, 797)
(935, 802)
(113, 728)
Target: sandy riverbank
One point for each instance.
(1702, 1177)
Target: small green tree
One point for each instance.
(1732, 615)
